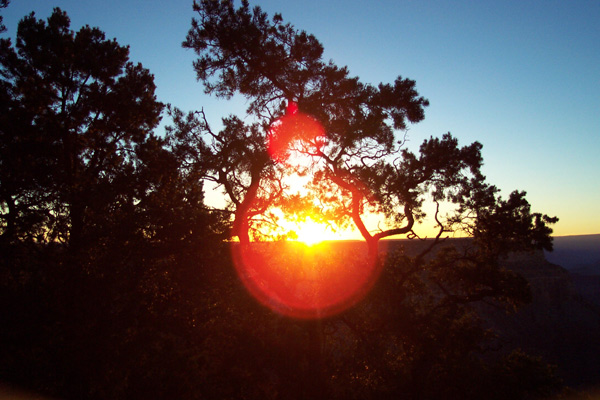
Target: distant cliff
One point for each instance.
(579, 254)
(561, 324)
(550, 283)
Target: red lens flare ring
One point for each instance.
(293, 127)
(294, 279)
(306, 282)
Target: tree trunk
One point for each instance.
(76, 211)
(240, 224)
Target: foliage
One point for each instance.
(3, 4)
(361, 165)
(116, 281)
(104, 233)
(242, 51)
(75, 111)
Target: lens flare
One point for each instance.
(309, 278)
(294, 128)
(306, 282)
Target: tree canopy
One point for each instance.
(75, 111)
(3, 4)
(272, 64)
(103, 226)
(359, 163)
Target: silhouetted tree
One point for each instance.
(359, 165)
(235, 159)
(75, 109)
(270, 63)
(108, 251)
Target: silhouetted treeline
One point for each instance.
(117, 282)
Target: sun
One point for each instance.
(311, 233)
(302, 266)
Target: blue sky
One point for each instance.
(521, 77)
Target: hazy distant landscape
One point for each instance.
(562, 323)
(578, 254)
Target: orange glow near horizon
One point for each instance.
(311, 232)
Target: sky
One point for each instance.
(520, 77)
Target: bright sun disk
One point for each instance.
(311, 232)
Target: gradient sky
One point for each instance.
(521, 77)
